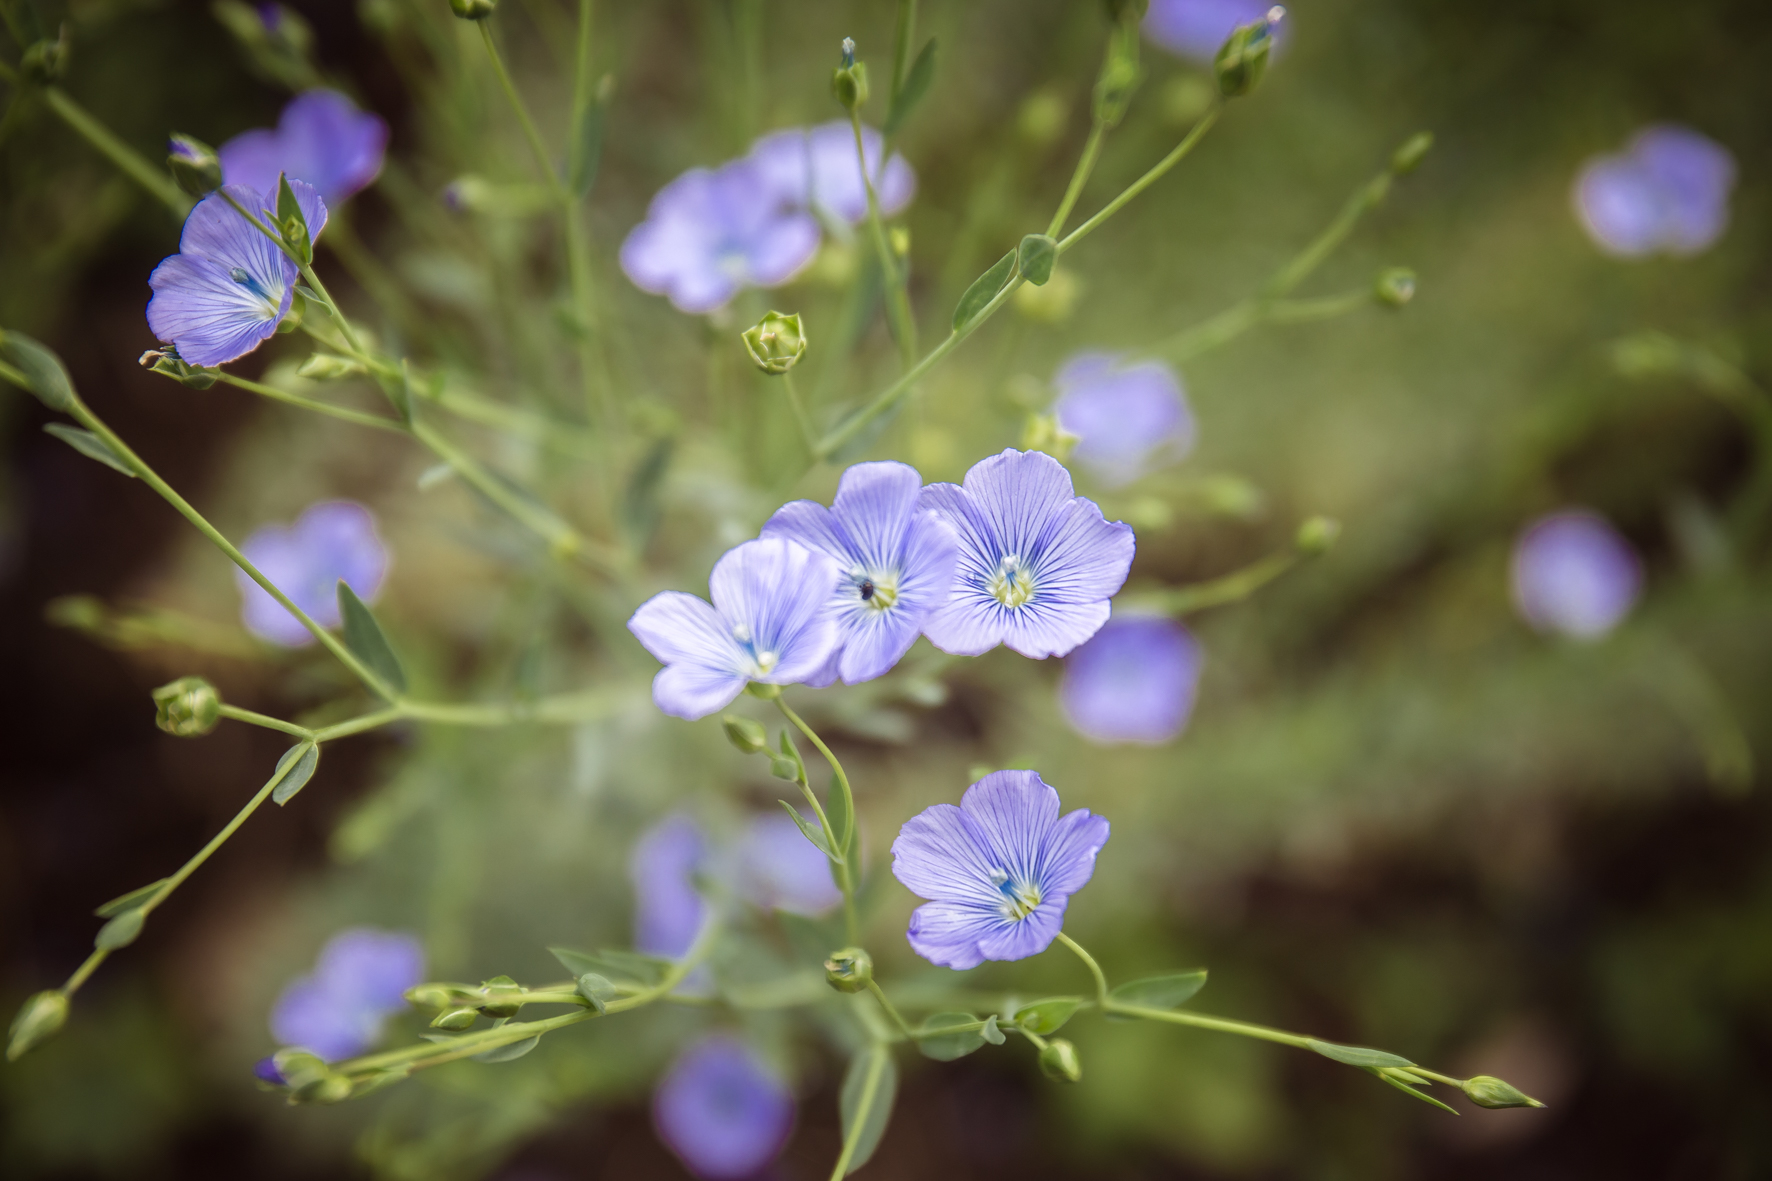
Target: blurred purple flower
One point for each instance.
(896, 564)
(998, 870)
(771, 621)
(321, 138)
(1667, 191)
(722, 1110)
(223, 293)
(1127, 418)
(708, 234)
(1037, 563)
(1197, 29)
(1573, 573)
(1133, 682)
(816, 168)
(330, 541)
(668, 909)
(780, 869)
(338, 1010)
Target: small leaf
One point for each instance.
(938, 1039)
(1159, 992)
(837, 812)
(1357, 1055)
(585, 150)
(43, 371)
(128, 901)
(1036, 256)
(508, 1053)
(916, 84)
(121, 930)
(991, 1033)
(597, 989)
(89, 445)
(647, 969)
(866, 1109)
(1047, 1016)
(983, 290)
(1410, 1089)
(812, 832)
(294, 770)
(292, 223)
(366, 640)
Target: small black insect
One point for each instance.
(867, 591)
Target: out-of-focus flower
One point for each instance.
(331, 541)
(1133, 682)
(816, 168)
(722, 1109)
(1127, 418)
(771, 621)
(709, 234)
(896, 563)
(998, 870)
(338, 1010)
(223, 293)
(780, 870)
(321, 138)
(1573, 574)
(668, 909)
(1038, 563)
(1197, 29)
(1668, 191)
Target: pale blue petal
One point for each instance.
(1042, 630)
(1067, 852)
(939, 854)
(874, 503)
(677, 627)
(949, 933)
(780, 592)
(198, 307)
(1030, 936)
(1011, 812)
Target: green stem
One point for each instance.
(894, 271)
(1079, 177)
(1101, 984)
(843, 842)
(158, 184)
(1232, 588)
(799, 407)
(877, 1058)
(892, 1012)
(903, 33)
(1201, 1021)
(342, 413)
(1150, 178)
(252, 718)
(536, 145)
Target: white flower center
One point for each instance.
(1020, 899)
(1012, 583)
(763, 661)
(240, 276)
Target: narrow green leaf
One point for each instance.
(811, 831)
(121, 930)
(597, 989)
(366, 640)
(509, 1053)
(1036, 257)
(45, 375)
(1357, 1055)
(294, 770)
(128, 901)
(865, 1110)
(1160, 992)
(1411, 1090)
(939, 1039)
(916, 84)
(836, 810)
(585, 150)
(647, 969)
(1047, 1016)
(983, 290)
(89, 445)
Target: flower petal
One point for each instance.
(940, 855)
(1011, 812)
(680, 628)
(212, 319)
(1067, 852)
(873, 505)
(781, 592)
(1031, 936)
(949, 933)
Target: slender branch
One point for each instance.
(843, 842)
(1150, 178)
(1232, 588)
(253, 718)
(539, 148)
(157, 183)
(1202, 1021)
(1101, 984)
(892, 1011)
(799, 408)
(1079, 177)
(895, 272)
(361, 418)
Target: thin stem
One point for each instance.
(342, 413)
(1101, 984)
(799, 407)
(1232, 588)
(1311, 257)
(894, 271)
(1202, 1021)
(878, 1056)
(844, 842)
(158, 184)
(891, 1011)
(848, 833)
(903, 33)
(1079, 177)
(516, 100)
(1150, 178)
(252, 718)
(578, 261)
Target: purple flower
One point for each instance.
(223, 293)
(780, 870)
(771, 622)
(1197, 29)
(1667, 191)
(1037, 563)
(1134, 682)
(338, 1010)
(1573, 573)
(1126, 417)
(722, 1110)
(708, 234)
(997, 871)
(896, 564)
(321, 138)
(816, 168)
(330, 541)
(668, 909)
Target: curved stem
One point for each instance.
(344, 414)
(264, 720)
(1101, 984)
(1221, 1024)
(844, 842)
(892, 1012)
(1150, 178)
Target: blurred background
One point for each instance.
(1398, 816)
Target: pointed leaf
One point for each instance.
(647, 969)
(991, 1033)
(1159, 992)
(1036, 256)
(811, 831)
(597, 989)
(294, 770)
(1358, 1055)
(128, 901)
(43, 371)
(941, 1040)
(1047, 1016)
(836, 810)
(869, 1086)
(611, 965)
(366, 640)
(1407, 1089)
(89, 445)
(983, 290)
(121, 931)
(916, 84)
(585, 150)
(510, 1052)
(292, 223)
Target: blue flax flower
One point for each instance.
(997, 871)
(897, 563)
(816, 168)
(1037, 563)
(1197, 29)
(321, 138)
(338, 1010)
(1127, 418)
(1667, 191)
(1133, 682)
(1573, 574)
(668, 909)
(778, 868)
(330, 541)
(708, 234)
(771, 621)
(223, 293)
(722, 1109)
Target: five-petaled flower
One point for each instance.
(771, 621)
(723, 1110)
(817, 168)
(223, 293)
(1196, 29)
(1667, 191)
(330, 542)
(1037, 565)
(1134, 681)
(897, 563)
(321, 138)
(1127, 418)
(1573, 574)
(998, 870)
(359, 981)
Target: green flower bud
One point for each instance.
(1120, 75)
(1408, 157)
(194, 165)
(1394, 287)
(776, 342)
(473, 10)
(1317, 534)
(188, 707)
(454, 1019)
(501, 993)
(38, 1020)
(1243, 59)
(1059, 1061)
(1042, 433)
(326, 367)
(849, 970)
(849, 81)
(328, 1088)
(46, 61)
(1488, 1091)
(747, 735)
(430, 996)
(167, 361)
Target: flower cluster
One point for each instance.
(1668, 192)
(338, 1010)
(331, 542)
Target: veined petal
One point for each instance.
(1044, 629)
(212, 318)
(780, 593)
(875, 641)
(1011, 812)
(217, 231)
(692, 692)
(874, 503)
(971, 623)
(812, 525)
(1067, 854)
(1030, 936)
(679, 628)
(940, 855)
(949, 933)
(1017, 492)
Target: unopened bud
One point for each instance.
(1043, 433)
(326, 367)
(776, 342)
(849, 81)
(328, 1088)
(1058, 1060)
(1394, 287)
(194, 165)
(1408, 157)
(1243, 59)
(46, 61)
(429, 996)
(747, 735)
(473, 10)
(38, 1019)
(849, 970)
(1317, 534)
(1488, 1091)
(454, 1019)
(188, 707)
(166, 361)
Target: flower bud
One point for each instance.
(849, 970)
(1488, 1091)
(38, 1019)
(188, 707)
(1043, 433)
(326, 367)
(297, 1067)
(1394, 287)
(46, 61)
(1408, 157)
(167, 361)
(473, 10)
(747, 735)
(454, 1019)
(194, 165)
(328, 1088)
(849, 81)
(1120, 75)
(1059, 1061)
(1317, 534)
(776, 342)
(1243, 59)
(430, 996)
(503, 997)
